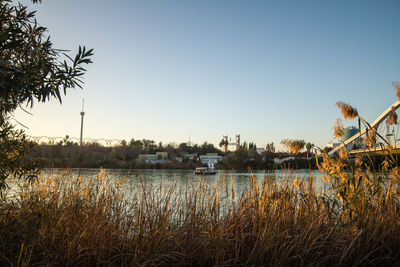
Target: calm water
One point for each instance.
(184, 180)
(134, 179)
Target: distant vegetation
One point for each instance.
(126, 155)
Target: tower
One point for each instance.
(225, 143)
(237, 141)
(82, 114)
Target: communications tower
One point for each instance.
(237, 141)
(82, 114)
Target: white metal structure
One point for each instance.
(375, 125)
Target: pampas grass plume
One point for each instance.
(347, 110)
(338, 129)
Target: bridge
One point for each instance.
(380, 147)
(378, 150)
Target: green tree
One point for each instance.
(137, 144)
(123, 143)
(31, 69)
(14, 155)
(309, 146)
(270, 148)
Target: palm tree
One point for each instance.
(309, 146)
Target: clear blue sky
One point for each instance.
(268, 70)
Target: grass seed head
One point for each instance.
(338, 129)
(343, 154)
(392, 119)
(370, 138)
(396, 86)
(358, 161)
(348, 111)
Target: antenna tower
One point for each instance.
(82, 114)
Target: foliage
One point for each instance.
(66, 153)
(309, 146)
(14, 155)
(30, 70)
(270, 148)
(252, 146)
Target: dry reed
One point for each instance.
(370, 138)
(90, 222)
(396, 86)
(392, 119)
(347, 110)
(338, 130)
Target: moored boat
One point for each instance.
(205, 170)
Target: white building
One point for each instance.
(210, 158)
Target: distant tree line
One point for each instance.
(247, 157)
(66, 153)
(125, 155)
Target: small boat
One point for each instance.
(205, 170)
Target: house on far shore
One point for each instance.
(210, 158)
(162, 155)
(260, 150)
(189, 156)
(159, 157)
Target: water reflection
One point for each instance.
(183, 179)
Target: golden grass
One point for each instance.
(370, 138)
(90, 222)
(338, 130)
(392, 119)
(347, 110)
(396, 86)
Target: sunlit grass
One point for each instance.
(80, 221)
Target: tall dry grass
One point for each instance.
(80, 222)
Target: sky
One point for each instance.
(267, 70)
